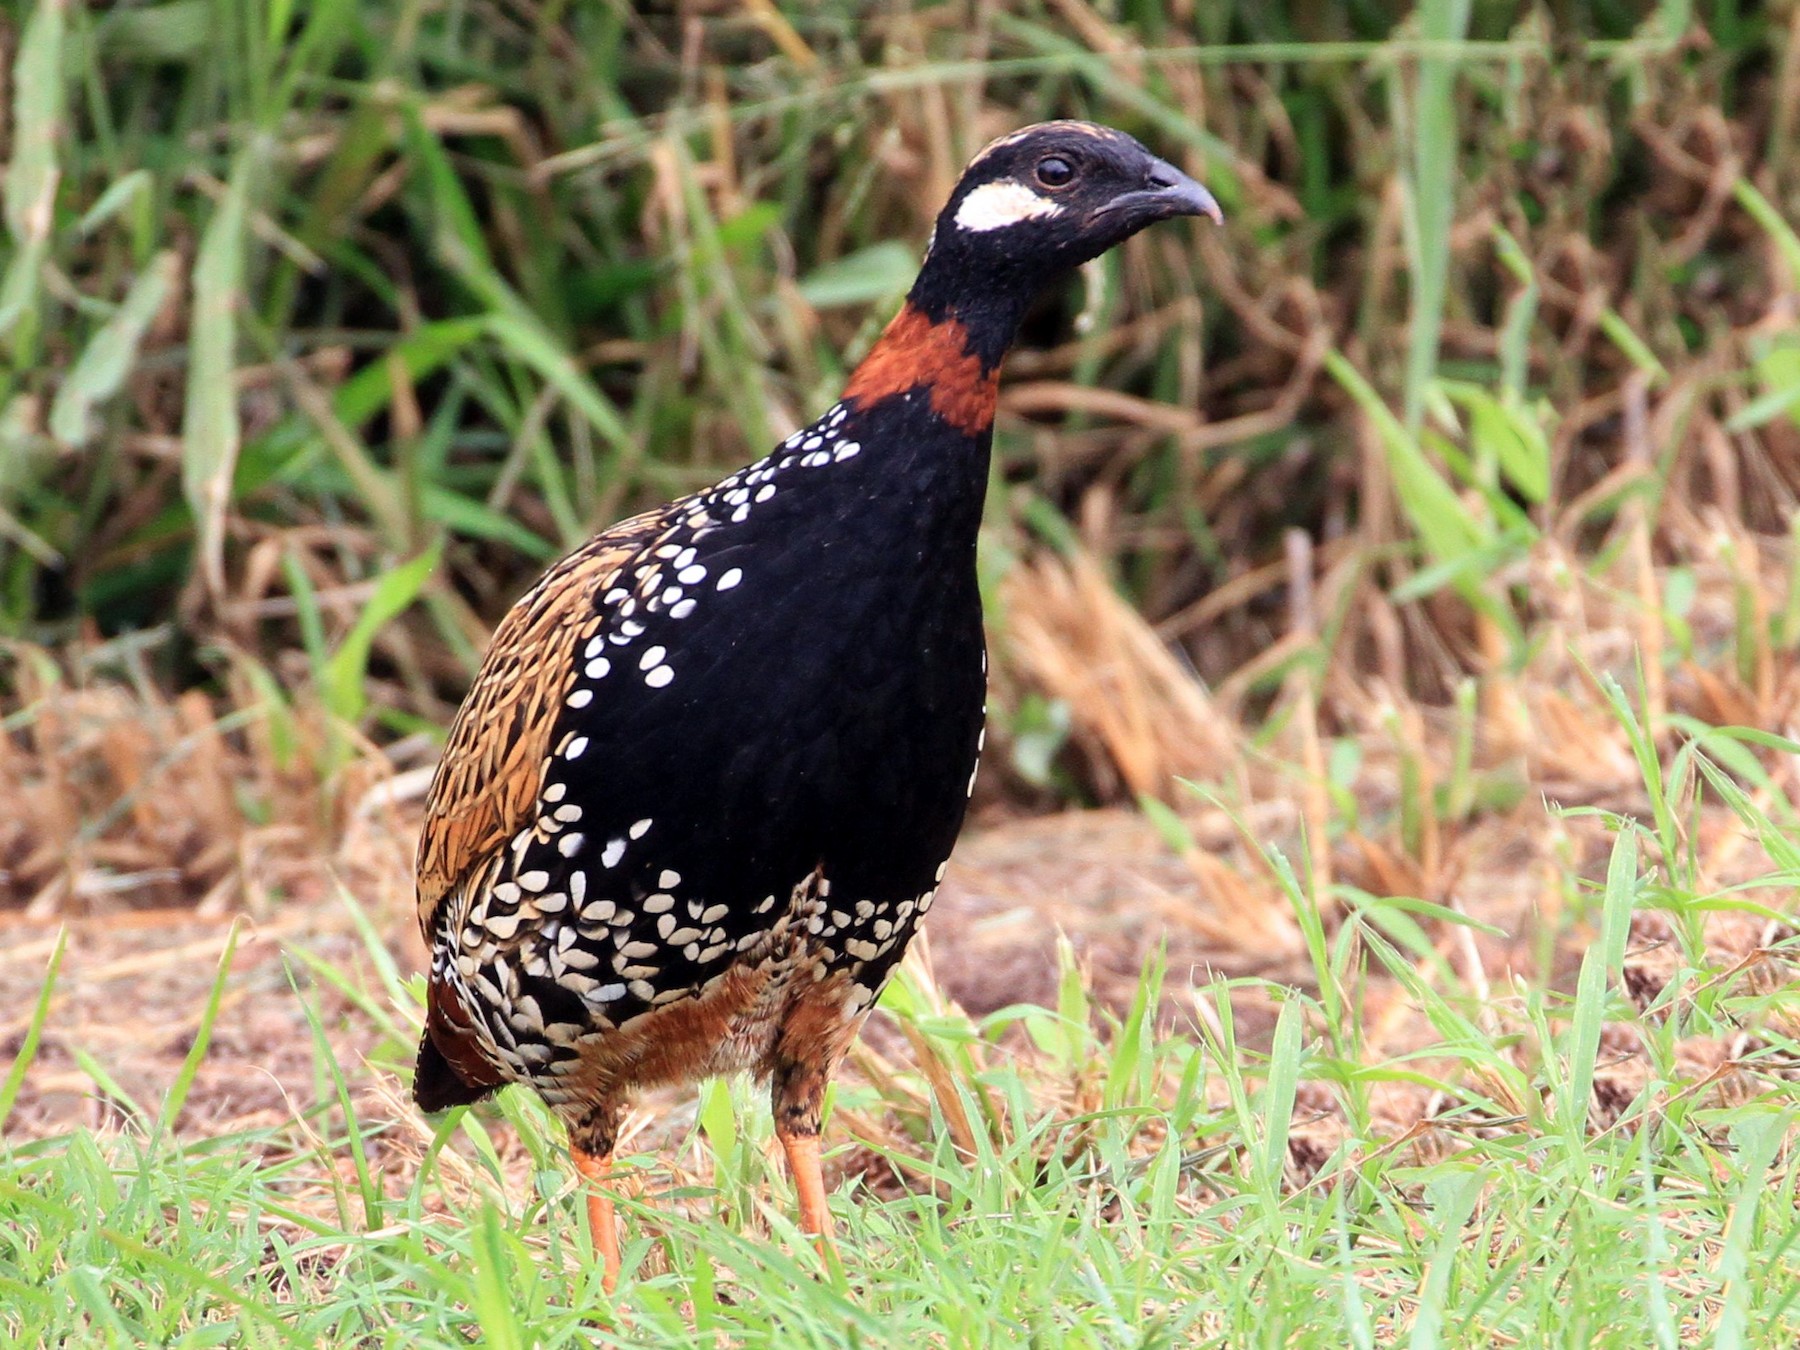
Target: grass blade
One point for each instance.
(190, 1065)
(1278, 1105)
(1432, 184)
(1780, 232)
(31, 175)
(1656, 1255)
(1452, 1201)
(1444, 523)
(353, 1131)
(34, 1031)
(209, 429)
(494, 1307)
(1757, 1139)
(1602, 961)
(343, 684)
(31, 171)
(107, 359)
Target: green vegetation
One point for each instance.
(291, 296)
(1462, 466)
(1117, 1187)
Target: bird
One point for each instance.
(706, 782)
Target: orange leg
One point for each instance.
(802, 1149)
(603, 1227)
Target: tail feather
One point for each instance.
(437, 1086)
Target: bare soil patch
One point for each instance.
(134, 983)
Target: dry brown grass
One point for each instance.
(1493, 848)
(1405, 745)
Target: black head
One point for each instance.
(1041, 201)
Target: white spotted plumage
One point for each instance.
(725, 737)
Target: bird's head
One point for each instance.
(1049, 197)
(1029, 209)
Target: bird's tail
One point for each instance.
(437, 1086)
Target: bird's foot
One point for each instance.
(603, 1225)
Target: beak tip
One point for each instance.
(1168, 193)
(1202, 201)
(1194, 198)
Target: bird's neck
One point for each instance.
(934, 358)
(947, 342)
(989, 312)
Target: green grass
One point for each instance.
(351, 281)
(1117, 1182)
(382, 305)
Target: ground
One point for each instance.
(1523, 1026)
(134, 984)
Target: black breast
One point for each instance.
(791, 679)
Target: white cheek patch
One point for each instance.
(993, 206)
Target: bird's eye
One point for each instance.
(1054, 171)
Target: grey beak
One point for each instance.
(1167, 192)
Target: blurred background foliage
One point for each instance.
(324, 326)
(1434, 517)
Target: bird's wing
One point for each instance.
(487, 782)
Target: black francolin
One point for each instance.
(705, 785)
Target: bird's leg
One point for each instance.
(603, 1226)
(809, 1184)
(799, 1100)
(591, 1150)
